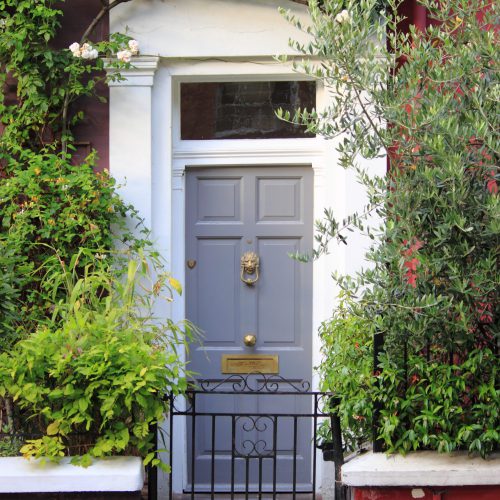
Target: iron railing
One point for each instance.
(254, 461)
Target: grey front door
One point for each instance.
(230, 211)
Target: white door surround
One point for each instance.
(202, 41)
(148, 159)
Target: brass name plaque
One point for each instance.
(249, 363)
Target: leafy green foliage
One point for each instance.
(46, 203)
(9, 295)
(47, 199)
(80, 351)
(9, 446)
(38, 82)
(346, 370)
(443, 407)
(428, 101)
(104, 372)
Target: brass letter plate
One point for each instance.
(249, 363)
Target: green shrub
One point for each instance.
(346, 370)
(440, 406)
(427, 100)
(9, 446)
(46, 203)
(102, 371)
(10, 284)
(79, 349)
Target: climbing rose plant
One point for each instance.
(48, 198)
(80, 349)
(426, 99)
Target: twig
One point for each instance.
(10, 414)
(100, 15)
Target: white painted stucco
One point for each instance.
(208, 28)
(212, 40)
(18, 475)
(422, 468)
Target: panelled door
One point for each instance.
(230, 211)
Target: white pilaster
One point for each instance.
(130, 148)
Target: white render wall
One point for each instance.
(19, 475)
(213, 40)
(208, 28)
(422, 468)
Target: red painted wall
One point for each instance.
(434, 493)
(415, 14)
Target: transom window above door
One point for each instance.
(243, 110)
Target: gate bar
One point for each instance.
(265, 386)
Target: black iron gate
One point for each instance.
(254, 459)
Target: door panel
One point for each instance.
(219, 199)
(218, 290)
(278, 199)
(230, 211)
(278, 297)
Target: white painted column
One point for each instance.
(130, 148)
(133, 160)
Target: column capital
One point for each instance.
(141, 74)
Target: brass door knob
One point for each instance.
(250, 340)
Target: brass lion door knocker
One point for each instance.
(249, 266)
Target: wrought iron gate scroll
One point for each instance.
(249, 451)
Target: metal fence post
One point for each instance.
(153, 470)
(338, 451)
(378, 344)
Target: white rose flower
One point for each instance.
(75, 49)
(343, 17)
(88, 52)
(133, 46)
(124, 55)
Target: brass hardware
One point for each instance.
(250, 363)
(191, 264)
(249, 265)
(250, 340)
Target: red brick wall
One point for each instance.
(434, 493)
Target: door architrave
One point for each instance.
(216, 153)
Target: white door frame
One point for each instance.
(155, 159)
(253, 152)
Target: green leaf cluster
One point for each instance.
(94, 383)
(40, 83)
(83, 361)
(346, 370)
(48, 203)
(428, 101)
